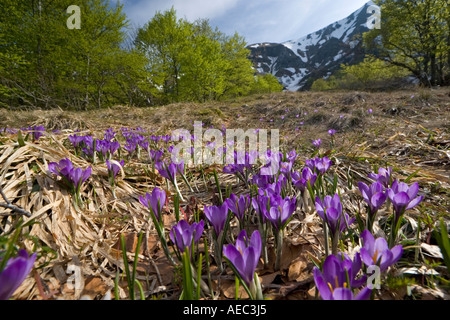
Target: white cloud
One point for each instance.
(256, 20)
(141, 11)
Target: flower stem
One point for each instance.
(325, 236)
(279, 245)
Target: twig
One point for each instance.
(13, 208)
(4, 197)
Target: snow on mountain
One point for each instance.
(297, 63)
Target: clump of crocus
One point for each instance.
(332, 132)
(239, 207)
(376, 252)
(155, 202)
(113, 169)
(339, 277)
(330, 210)
(279, 214)
(218, 217)
(384, 176)
(184, 235)
(317, 143)
(170, 171)
(36, 132)
(72, 177)
(301, 181)
(402, 197)
(305, 181)
(320, 165)
(261, 204)
(15, 272)
(375, 197)
(243, 258)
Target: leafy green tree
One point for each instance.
(266, 83)
(415, 35)
(238, 68)
(372, 73)
(49, 64)
(164, 41)
(192, 62)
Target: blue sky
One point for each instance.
(256, 20)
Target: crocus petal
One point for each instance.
(342, 294)
(322, 286)
(199, 230)
(368, 241)
(249, 268)
(397, 252)
(364, 191)
(364, 294)
(242, 241)
(366, 257)
(256, 243)
(386, 260)
(414, 202)
(381, 245)
(15, 272)
(378, 200)
(413, 190)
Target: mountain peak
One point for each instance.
(297, 63)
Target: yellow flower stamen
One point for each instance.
(331, 287)
(375, 257)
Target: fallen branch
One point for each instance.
(12, 207)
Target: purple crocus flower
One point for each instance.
(330, 210)
(130, 146)
(373, 195)
(301, 181)
(168, 171)
(217, 216)
(103, 146)
(113, 167)
(73, 178)
(320, 165)
(15, 272)
(113, 147)
(182, 234)
(79, 176)
(323, 164)
(384, 176)
(285, 168)
(403, 197)
(245, 255)
(154, 201)
(156, 155)
(291, 156)
(317, 143)
(37, 132)
(333, 283)
(331, 132)
(280, 212)
(376, 251)
(260, 204)
(238, 205)
(109, 134)
(62, 168)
